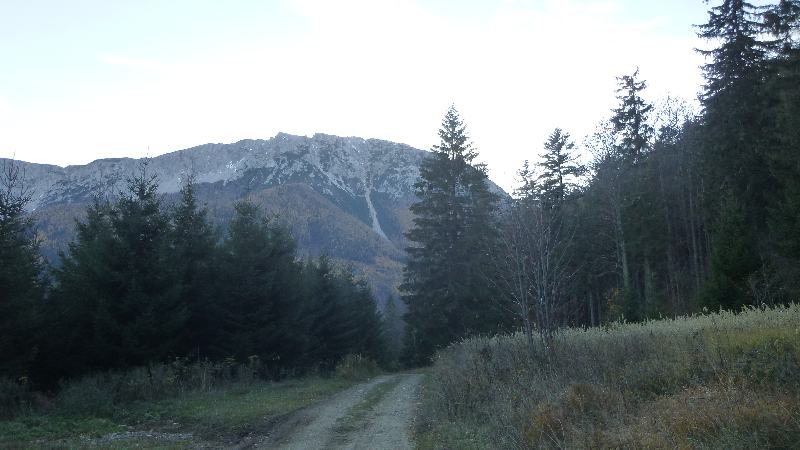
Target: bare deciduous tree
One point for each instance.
(534, 265)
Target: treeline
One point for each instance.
(145, 282)
(678, 211)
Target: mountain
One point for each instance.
(344, 196)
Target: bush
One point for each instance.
(356, 367)
(89, 396)
(99, 394)
(14, 397)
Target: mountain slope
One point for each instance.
(347, 197)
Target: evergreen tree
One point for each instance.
(147, 311)
(394, 329)
(783, 21)
(360, 307)
(21, 287)
(734, 156)
(454, 232)
(558, 167)
(630, 118)
(782, 88)
(82, 283)
(194, 259)
(736, 24)
(258, 280)
(735, 148)
(344, 316)
(733, 261)
(118, 284)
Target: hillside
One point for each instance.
(347, 197)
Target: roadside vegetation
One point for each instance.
(172, 405)
(724, 380)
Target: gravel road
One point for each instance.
(376, 418)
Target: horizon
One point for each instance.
(95, 81)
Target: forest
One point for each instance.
(678, 211)
(145, 283)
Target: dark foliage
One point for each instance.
(455, 230)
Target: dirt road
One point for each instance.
(375, 415)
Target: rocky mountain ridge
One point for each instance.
(344, 196)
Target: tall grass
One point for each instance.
(721, 380)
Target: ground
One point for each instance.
(310, 413)
(375, 415)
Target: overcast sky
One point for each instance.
(82, 80)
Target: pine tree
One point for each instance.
(21, 286)
(559, 169)
(118, 285)
(735, 148)
(782, 89)
(394, 329)
(359, 304)
(783, 21)
(734, 259)
(334, 328)
(195, 261)
(258, 280)
(147, 312)
(82, 283)
(740, 57)
(630, 118)
(734, 157)
(454, 231)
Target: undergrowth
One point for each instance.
(721, 380)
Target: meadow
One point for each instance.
(180, 404)
(720, 380)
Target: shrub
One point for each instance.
(98, 395)
(356, 367)
(87, 396)
(15, 396)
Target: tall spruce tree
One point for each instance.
(118, 285)
(82, 283)
(341, 314)
(559, 169)
(630, 117)
(454, 232)
(739, 58)
(258, 279)
(734, 154)
(733, 260)
(193, 253)
(21, 287)
(734, 158)
(782, 127)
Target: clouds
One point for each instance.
(386, 69)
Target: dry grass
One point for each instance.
(713, 381)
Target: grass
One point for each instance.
(171, 405)
(222, 415)
(32, 428)
(233, 412)
(713, 381)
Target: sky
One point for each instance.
(83, 80)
